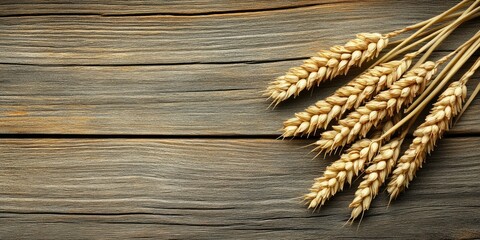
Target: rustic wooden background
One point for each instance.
(136, 119)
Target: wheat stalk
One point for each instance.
(367, 113)
(338, 60)
(425, 25)
(344, 169)
(448, 105)
(327, 65)
(369, 83)
(462, 53)
(386, 103)
(347, 97)
(375, 176)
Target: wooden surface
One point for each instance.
(204, 188)
(139, 119)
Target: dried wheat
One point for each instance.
(386, 103)
(436, 123)
(344, 169)
(345, 98)
(375, 176)
(327, 65)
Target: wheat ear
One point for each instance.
(338, 60)
(386, 103)
(375, 176)
(347, 97)
(448, 105)
(344, 169)
(436, 123)
(327, 65)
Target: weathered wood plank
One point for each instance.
(197, 99)
(204, 188)
(203, 73)
(255, 36)
(193, 68)
(162, 7)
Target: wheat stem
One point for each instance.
(447, 31)
(460, 58)
(474, 93)
(392, 53)
(436, 29)
(440, 76)
(468, 102)
(446, 16)
(414, 44)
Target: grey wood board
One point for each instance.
(225, 38)
(157, 100)
(164, 74)
(190, 73)
(146, 7)
(217, 188)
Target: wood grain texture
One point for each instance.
(207, 188)
(155, 100)
(224, 38)
(160, 7)
(176, 85)
(164, 74)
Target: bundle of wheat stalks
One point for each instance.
(382, 104)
